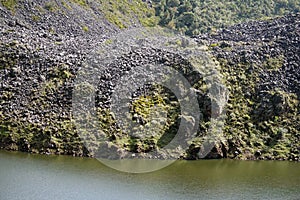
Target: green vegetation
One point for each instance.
(36, 18)
(80, 2)
(51, 6)
(66, 5)
(8, 58)
(274, 63)
(119, 12)
(189, 17)
(193, 17)
(9, 4)
(19, 132)
(261, 126)
(125, 13)
(143, 109)
(85, 28)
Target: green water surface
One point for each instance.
(37, 177)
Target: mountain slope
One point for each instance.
(44, 44)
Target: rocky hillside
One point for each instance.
(260, 63)
(44, 44)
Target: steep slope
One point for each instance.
(44, 44)
(260, 62)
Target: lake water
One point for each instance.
(37, 177)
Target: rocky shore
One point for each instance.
(43, 47)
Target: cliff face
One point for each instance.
(44, 44)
